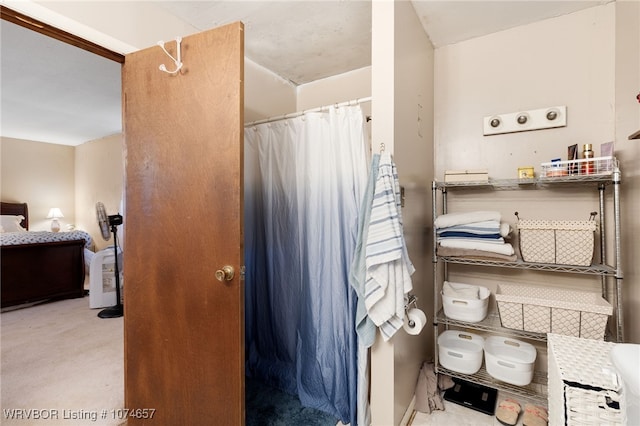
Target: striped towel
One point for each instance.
(485, 227)
(388, 267)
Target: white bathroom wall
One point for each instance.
(569, 60)
(413, 153)
(265, 93)
(402, 112)
(578, 60)
(335, 89)
(627, 86)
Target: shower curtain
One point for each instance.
(304, 180)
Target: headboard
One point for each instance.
(16, 209)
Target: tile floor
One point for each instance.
(458, 415)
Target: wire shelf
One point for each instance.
(595, 269)
(536, 390)
(528, 183)
(491, 323)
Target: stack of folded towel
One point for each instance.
(479, 234)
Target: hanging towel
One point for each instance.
(388, 267)
(365, 328)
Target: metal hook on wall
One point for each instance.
(177, 61)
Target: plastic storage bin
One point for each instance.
(458, 305)
(460, 351)
(509, 360)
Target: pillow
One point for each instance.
(11, 223)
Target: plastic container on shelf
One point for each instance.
(458, 304)
(509, 360)
(460, 351)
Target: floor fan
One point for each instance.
(106, 222)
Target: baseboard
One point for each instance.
(408, 415)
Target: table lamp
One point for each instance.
(54, 214)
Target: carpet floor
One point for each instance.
(62, 365)
(266, 406)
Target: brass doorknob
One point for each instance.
(225, 274)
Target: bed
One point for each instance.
(39, 266)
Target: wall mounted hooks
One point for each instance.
(177, 61)
(522, 121)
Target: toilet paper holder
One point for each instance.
(409, 300)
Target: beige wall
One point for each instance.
(577, 60)
(413, 153)
(266, 94)
(627, 86)
(339, 88)
(72, 178)
(41, 175)
(402, 105)
(99, 171)
(587, 61)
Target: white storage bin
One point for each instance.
(458, 305)
(509, 360)
(460, 351)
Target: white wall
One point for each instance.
(562, 61)
(573, 60)
(402, 111)
(413, 153)
(335, 89)
(627, 86)
(266, 94)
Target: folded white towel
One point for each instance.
(460, 291)
(505, 229)
(480, 228)
(504, 248)
(452, 219)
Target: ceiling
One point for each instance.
(53, 92)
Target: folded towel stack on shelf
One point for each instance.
(478, 234)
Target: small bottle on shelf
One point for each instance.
(587, 153)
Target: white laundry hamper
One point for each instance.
(102, 279)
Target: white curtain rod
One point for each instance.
(318, 109)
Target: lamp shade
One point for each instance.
(54, 213)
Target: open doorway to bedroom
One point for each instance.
(53, 82)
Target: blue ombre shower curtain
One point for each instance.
(304, 180)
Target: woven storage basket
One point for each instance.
(552, 310)
(583, 387)
(557, 241)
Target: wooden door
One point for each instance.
(183, 137)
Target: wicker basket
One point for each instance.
(552, 310)
(583, 387)
(557, 241)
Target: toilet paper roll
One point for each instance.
(414, 321)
